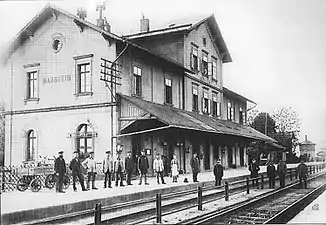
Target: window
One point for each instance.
(206, 103)
(83, 74)
(168, 91)
(137, 81)
(214, 68)
(84, 78)
(216, 106)
(195, 97)
(32, 85)
(242, 116)
(230, 112)
(194, 58)
(84, 140)
(204, 42)
(30, 151)
(204, 63)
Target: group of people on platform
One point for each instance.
(280, 170)
(117, 168)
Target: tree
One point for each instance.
(251, 115)
(264, 123)
(288, 128)
(2, 133)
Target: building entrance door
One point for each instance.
(241, 156)
(136, 147)
(207, 155)
(230, 157)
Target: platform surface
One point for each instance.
(18, 201)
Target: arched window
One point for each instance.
(84, 140)
(31, 140)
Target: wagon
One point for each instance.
(37, 177)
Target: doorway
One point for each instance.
(241, 156)
(230, 156)
(207, 155)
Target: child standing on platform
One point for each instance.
(174, 168)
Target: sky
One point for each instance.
(278, 47)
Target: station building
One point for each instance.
(73, 85)
(307, 150)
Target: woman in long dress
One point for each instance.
(174, 168)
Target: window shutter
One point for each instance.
(218, 109)
(202, 104)
(210, 69)
(218, 69)
(199, 62)
(209, 106)
(191, 58)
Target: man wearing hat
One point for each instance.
(90, 165)
(107, 169)
(218, 172)
(60, 170)
(76, 168)
(143, 167)
(129, 165)
(158, 168)
(118, 169)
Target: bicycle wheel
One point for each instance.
(50, 181)
(21, 185)
(66, 181)
(36, 185)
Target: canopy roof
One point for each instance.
(169, 117)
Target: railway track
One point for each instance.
(278, 206)
(145, 209)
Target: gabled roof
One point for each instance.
(178, 118)
(47, 12)
(186, 28)
(228, 93)
(51, 11)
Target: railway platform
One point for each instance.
(20, 207)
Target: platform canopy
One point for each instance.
(158, 117)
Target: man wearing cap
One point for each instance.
(281, 170)
(76, 168)
(60, 170)
(118, 169)
(129, 165)
(107, 169)
(218, 173)
(194, 163)
(302, 171)
(90, 166)
(158, 168)
(143, 167)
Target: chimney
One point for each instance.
(107, 26)
(144, 24)
(306, 137)
(100, 20)
(81, 13)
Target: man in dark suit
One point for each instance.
(76, 168)
(194, 162)
(218, 173)
(129, 164)
(60, 171)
